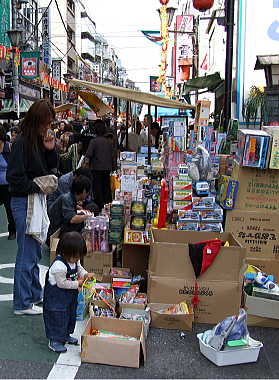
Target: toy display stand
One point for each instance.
(231, 357)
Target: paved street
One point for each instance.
(24, 352)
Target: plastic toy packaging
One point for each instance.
(96, 234)
(231, 332)
(180, 308)
(129, 296)
(200, 168)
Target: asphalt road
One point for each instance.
(24, 353)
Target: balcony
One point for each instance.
(88, 56)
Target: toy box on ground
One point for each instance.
(257, 231)
(115, 342)
(236, 356)
(162, 318)
(137, 315)
(172, 276)
(262, 312)
(98, 263)
(136, 237)
(258, 190)
(139, 303)
(253, 148)
(203, 203)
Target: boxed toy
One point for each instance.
(188, 216)
(274, 155)
(182, 205)
(178, 184)
(211, 227)
(187, 226)
(203, 203)
(128, 156)
(253, 148)
(182, 195)
(227, 192)
(215, 215)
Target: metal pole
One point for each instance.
(149, 135)
(156, 113)
(229, 62)
(127, 123)
(16, 87)
(115, 104)
(175, 56)
(14, 16)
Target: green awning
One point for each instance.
(24, 106)
(211, 82)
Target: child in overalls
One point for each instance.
(61, 291)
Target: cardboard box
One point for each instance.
(274, 155)
(114, 351)
(169, 321)
(136, 306)
(261, 307)
(98, 263)
(257, 231)
(258, 189)
(269, 266)
(172, 278)
(54, 239)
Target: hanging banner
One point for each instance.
(5, 11)
(46, 36)
(29, 64)
(184, 44)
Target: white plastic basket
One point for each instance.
(231, 357)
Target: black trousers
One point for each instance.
(101, 187)
(5, 199)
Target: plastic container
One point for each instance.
(230, 357)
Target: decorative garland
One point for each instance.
(164, 50)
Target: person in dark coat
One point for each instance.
(99, 157)
(5, 196)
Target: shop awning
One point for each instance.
(266, 60)
(64, 107)
(131, 95)
(95, 103)
(8, 111)
(211, 82)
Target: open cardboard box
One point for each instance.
(113, 351)
(137, 306)
(172, 278)
(169, 321)
(263, 312)
(98, 263)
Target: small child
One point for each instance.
(61, 291)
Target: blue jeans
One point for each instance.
(27, 287)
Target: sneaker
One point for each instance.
(12, 236)
(56, 347)
(72, 340)
(34, 310)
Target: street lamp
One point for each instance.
(15, 38)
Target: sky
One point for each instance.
(120, 21)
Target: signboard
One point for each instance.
(5, 11)
(155, 86)
(184, 43)
(30, 64)
(56, 75)
(29, 92)
(46, 36)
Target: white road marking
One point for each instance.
(4, 234)
(7, 280)
(68, 364)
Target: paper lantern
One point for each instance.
(185, 72)
(164, 2)
(203, 5)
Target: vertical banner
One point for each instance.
(46, 36)
(184, 45)
(5, 11)
(29, 64)
(56, 75)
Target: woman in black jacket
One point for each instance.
(5, 197)
(32, 155)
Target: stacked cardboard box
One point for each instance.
(172, 278)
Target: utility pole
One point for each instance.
(229, 16)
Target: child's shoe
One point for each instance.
(71, 340)
(57, 347)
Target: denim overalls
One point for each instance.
(59, 309)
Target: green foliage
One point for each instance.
(255, 108)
